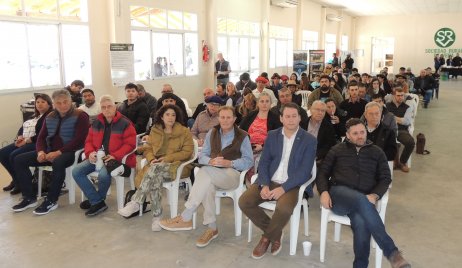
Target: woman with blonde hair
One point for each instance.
(249, 104)
(233, 95)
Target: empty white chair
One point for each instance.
(295, 218)
(305, 94)
(188, 110)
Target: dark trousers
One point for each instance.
(408, 141)
(24, 176)
(9, 153)
(271, 227)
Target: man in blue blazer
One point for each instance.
(285, 164)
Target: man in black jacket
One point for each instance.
(352, 178)
(135, 108)
(285, 96)
(377, 132)
(321, 128)
(425, 84)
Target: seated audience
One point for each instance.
(233, 95)
(388, 119)
(324, 92)
(169, 144)
(305, 83)
(424, 85)
(74, 89)
(261, 83)
(321, 128)
(25, 140)
(208, 92)
(276, 84)
(362, 92)
(90, 106)
(354, 106)
(375, 88)
(293, 87)
(403, 116)
(257, 123)
(134, 108)
(377, 132)
(337, 119)
(207, 119)
(315, 84)
(248, 105)
(244, 82)
(221, 92)
(285, 164)
(116, 136)
(352, 178)
(170, 98)
(285, 96)
(167, 88)
(150, 100)
(63, 132)
(226, 152)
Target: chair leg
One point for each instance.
(194, 220)
(217, 205)
(249, 235)
(237, 218)
(378, 257)
(132, 179)
(305, 217)
(323, 235)
(294, 225)
(70, 183)
(40, 181)
(174, 202)
(337, 231)
(120, 191)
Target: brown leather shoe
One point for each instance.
(404, 168)
(261, 248)
(276, 246)
(397, 260)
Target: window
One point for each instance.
(166, 42)
(239, 43)
(281, 46)
(330, 47)
(44, 44)
(310, 40)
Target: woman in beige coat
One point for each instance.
(169, 144)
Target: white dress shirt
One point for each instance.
(281, 174)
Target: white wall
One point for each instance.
(413, 34)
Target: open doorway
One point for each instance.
(382, 54)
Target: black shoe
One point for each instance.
(85, 205)
(46, 207)
(15, 191)
(25, 204)
(96, 209)
(9, 187)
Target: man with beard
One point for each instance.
(325, 92)
(90, 106)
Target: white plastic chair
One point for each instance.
(233, 194)
(188, 110)
(295, 218)
(120, 182)
(327, 216)
(70, 184)
(305, 94)
(173, 186)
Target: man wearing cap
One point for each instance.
(276, 85)
(222, 69)
(292, 86)
(74, 90)
(325, 92)
(284, 79)
(261, 82)
(244, 82)
(206, 119)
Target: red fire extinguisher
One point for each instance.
(205, 52)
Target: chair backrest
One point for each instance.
(186, 104)
(192, 159)
(305, 94)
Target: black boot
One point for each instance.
(15, 191)
(9, 187)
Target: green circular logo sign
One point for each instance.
(445, 37)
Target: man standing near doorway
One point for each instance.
(222, 69)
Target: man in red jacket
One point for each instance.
(115, 135)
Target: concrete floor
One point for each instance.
(423, 218)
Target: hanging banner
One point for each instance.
(122, 64)
(300, 61)
(316, 62)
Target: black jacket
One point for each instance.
(273, 121)
(423, 84)
(326, 137)
(241, 85)
(200, 107)
(366, 171)
(385, 138)
(150, 101)
(179, 103)
(137, 112)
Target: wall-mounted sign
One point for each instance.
(445, 37)
(122, 64)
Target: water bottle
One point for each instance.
(99, 159)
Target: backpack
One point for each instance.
(128, 198)
(420, 145)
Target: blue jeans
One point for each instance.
(80, 173)
(365, 220)
(9, 153)
(428, 96)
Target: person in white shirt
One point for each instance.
(261, 82)
(90, 106)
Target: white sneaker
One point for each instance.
(155, 227)
(130, 208)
